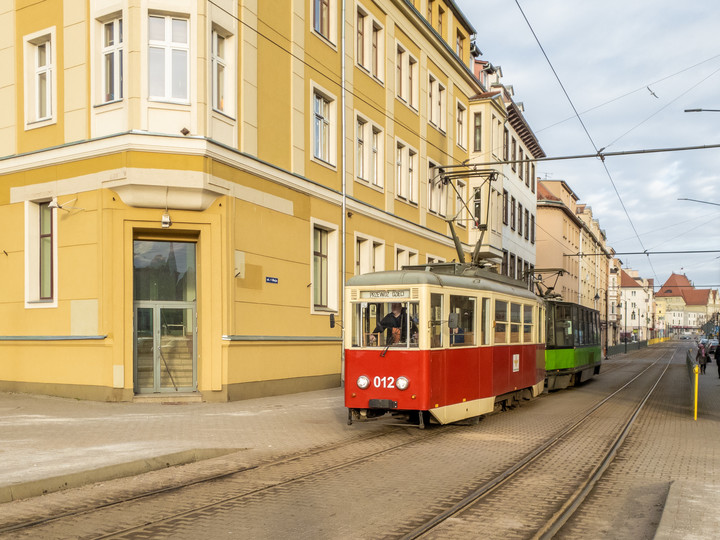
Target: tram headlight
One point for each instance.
(363, 382)
(402, 383)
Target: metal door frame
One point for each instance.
(156, 307)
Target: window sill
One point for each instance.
(324, 163)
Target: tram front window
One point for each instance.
(379, 324)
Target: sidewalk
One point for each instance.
(49, 443)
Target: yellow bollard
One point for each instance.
(696, 370)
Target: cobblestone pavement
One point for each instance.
(668, 469)
(261, 430)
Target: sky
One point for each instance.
(630, 69)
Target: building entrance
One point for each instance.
(165, 317)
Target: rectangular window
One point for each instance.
(321, 127)
(360, 45)
(515, 322)
(436, 320)
(376, 48)
(437, 191)
(168, 58)
(532, 229)
(460, 45)
(477, 132)
(406, 173)
(40, 77)
(320, 267)
(477, 207)
(460, 210)
(429, 16)
(219, 68)
(527, 224)
(513, 155)
(431, 103)
(461, 125)
(112, 61)
(506, 144)
(520, 219)
(462, 317)
(404, 257)
(46, 243)
(521, 166)
(361, 148)
(321, 18)
(501, 320)
(412, 82)
(441, 13)
(505, 212)
(399, 61)
(512, 213)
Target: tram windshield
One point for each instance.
(382, 324)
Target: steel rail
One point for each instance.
(525, 461)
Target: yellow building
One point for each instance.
(185, 185)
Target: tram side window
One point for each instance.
(379, 324)
(464, 334)
(485, 322)
(563, 326)
(515, 320)
(436, 320)
(501, 317)
(528, 324)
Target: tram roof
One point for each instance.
(445, 275)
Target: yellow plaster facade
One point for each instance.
(234, 133)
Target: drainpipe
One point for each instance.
(344, 198)
(580, 269)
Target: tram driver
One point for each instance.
(395, 324)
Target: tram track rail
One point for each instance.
(393, 429)
(561, 515)
(406, 436)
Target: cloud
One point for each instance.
(606, 55)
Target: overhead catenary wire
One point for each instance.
(587, 133)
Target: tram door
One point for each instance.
(165, 317)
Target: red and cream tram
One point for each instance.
(440, 343)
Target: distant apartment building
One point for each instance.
(186, 185)
(637, 299)
(685, 308)
(505, 202)
(572, 253)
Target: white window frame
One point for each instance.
(323, 128)
(437, 192)
(169, 47)
(225, 64)
(461, 213)
(331, 36)
(33, 259)
(368, 151)
(406, 172)
(405, 256)
(32, 43)
(406, 76)
(333, 260)
(370, 58)
(369, 254)
(461, 116)
(433, 259)
(114, 51)
(436, 102)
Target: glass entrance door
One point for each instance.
(165, 321)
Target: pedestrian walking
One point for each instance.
(702, 358)
(717, 358)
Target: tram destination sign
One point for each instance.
(405, 293)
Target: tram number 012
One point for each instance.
(384, 382)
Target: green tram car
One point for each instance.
(572, 352)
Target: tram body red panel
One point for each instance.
(441, 377)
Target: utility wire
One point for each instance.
(598, 151)
(642, 88)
